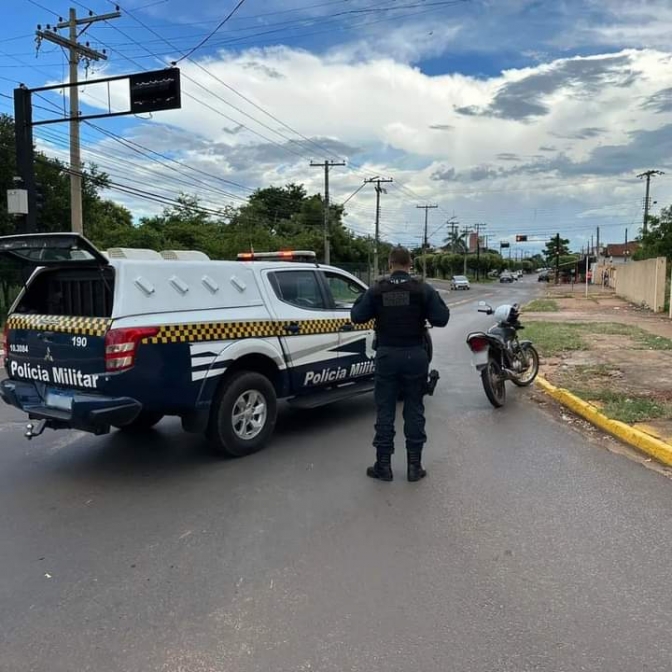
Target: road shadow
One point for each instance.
(298, 424)
(167, 452)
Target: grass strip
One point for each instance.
(542, 306)
(553, 338)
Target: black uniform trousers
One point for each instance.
(402, 370)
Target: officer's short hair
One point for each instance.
(400, 256)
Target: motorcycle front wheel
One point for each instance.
(493, 384)
(527, 377)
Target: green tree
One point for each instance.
(456, 242)
(552, 249)
(657, 241)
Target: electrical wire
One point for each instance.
(409, 191)
(280, 26)
(43, 8)
(210, 35)
(261, 109)
(129, 189)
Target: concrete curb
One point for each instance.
(633, 437)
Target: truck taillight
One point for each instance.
(121, 346)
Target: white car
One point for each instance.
(459, 282)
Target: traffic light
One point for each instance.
(39, 197)
(521, 239)
(503, 245)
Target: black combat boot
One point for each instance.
(382, 469)
(415, 470)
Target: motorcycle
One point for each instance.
(498, 355)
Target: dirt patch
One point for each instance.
(609, 353)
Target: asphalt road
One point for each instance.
(526, 548)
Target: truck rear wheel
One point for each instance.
(243, 414)
(144, 422)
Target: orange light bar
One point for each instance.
(282, 255)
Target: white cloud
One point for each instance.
(563, 138)
(636, 23)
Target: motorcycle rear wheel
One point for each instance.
(493, 384)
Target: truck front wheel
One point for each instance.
(243, 414)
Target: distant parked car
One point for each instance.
(459, 282)
(543, 277)
(506, 277)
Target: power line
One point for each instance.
(122, 162)
(209, 91)
(166, 199)
(205, 40)
(204, 69)
(308, 21)
(43, 8)
(261, 109)
(215, 110)
(141, 149)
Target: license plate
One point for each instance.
(60, 399)
(479, 358)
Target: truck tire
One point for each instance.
(243, 414)
(144, 422)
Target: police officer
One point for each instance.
(400, 305)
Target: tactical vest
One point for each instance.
(400, 312)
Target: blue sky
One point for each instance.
(531, 116)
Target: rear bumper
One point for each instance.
(89, 413)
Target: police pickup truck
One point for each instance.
(123, 338)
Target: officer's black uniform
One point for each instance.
(400, 306)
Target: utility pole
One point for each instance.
(377, 181)
(425, 242)
(453, 230)
(625, 251)
(466, 233)
(648, 174)
(25, 157)
(478, 249)
(557, 258)
(598, 244)
(76, 52)
(327, 232)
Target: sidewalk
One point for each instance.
(611, 354)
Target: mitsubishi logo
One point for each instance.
(48, 357)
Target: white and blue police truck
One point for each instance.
(119, 339)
